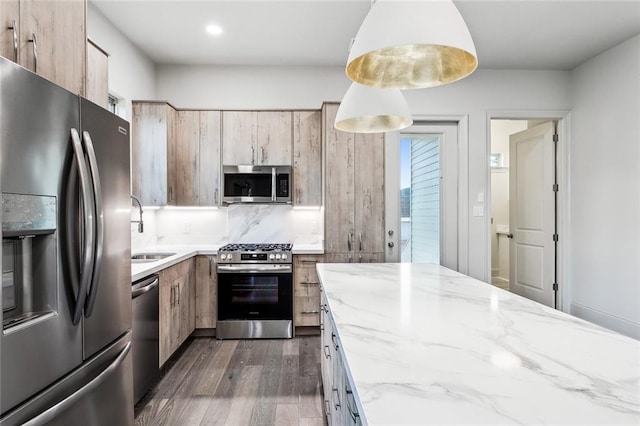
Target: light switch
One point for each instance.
(481, 197)
(478, 211)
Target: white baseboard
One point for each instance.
(604, 319)
(500, 279)
(494, 272)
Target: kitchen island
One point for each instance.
(421, 344)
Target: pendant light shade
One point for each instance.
(367, 110)
(411, 45)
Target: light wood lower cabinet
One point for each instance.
(306, 289)
(177, 306)
(206, 292)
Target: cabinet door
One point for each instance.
(60, 34)
(209, 167)
(150, 153)
(274, 138)
(187, 299)
(339, 185)
(206, 292)
(187, 164)
(166, 310)
(239, 136)
(307, 158)
(9, 34)
(369, 193)
(97, 75)
(364, 257)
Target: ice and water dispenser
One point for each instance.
(29, 267)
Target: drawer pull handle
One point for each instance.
(309, 312)
(327, 353)
(308, 261)
(352, 411)
(334, 339)
(309, 283)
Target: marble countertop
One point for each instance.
(180, 253)
(427, 345)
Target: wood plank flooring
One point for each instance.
(238, 382)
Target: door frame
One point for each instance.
(392, 174)
(563, 119)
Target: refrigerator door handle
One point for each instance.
(99, 223)
(88, 208)
(51, 413)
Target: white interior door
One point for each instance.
(532, 213)
(421, 181)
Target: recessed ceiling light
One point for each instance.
(214, 29)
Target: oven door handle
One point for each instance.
(254, 269)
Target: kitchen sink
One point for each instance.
(149, 257)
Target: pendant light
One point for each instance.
(411, 45)
(367, 110)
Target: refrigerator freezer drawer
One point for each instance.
(99, 392)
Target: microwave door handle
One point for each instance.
(99, 223)
(88, 209)
(273, 184)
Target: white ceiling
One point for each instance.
(508, 34)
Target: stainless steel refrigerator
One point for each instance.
(65, 354)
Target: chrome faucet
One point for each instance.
(139, 222)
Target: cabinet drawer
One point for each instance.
(307, 260)
(307, 311)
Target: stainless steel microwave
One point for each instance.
(256, 184)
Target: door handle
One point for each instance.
(14, 28)
(34, 40)
(390, 244)
(360, 240)
(52, 413)
(99, 221)
(88, 209)
(349, 236)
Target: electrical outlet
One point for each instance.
(186, 227)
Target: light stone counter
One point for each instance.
(141, 270)
(427, 345)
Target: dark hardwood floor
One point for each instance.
(238, 382)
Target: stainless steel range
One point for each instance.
(255, 291)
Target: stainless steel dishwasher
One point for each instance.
(146, 335)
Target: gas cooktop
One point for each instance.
(255, 253)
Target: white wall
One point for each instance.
(242, 87)
(303, 87)
(131, 73)
(605, 189)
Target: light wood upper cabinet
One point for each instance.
(209, 158)
(354, 192)
(369, 193)
(307, 158)
(339, 185)
(187, 165)
(97, 87)
(176, 155)
(274, 138)
(206, 292)
(58, 50)
(239, 136)
(153, 152)
(256, 138)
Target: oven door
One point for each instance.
(255, 292)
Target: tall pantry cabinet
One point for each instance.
(47, 37)
(354, 193)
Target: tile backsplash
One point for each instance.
(242, 223)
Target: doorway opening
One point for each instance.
(425, 186)
(524, 208)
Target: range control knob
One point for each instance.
(278, 256)
(284, 256)
(272, 256)
(223, 256)
(229, 256)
